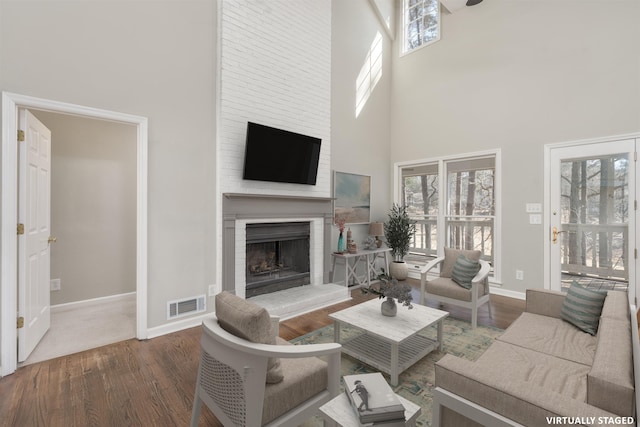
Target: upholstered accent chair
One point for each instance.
(248, 376)
(458, 283)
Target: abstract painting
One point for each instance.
(352, 194)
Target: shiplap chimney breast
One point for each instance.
(275, 70)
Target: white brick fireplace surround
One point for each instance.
(240, 209)
(275, 70)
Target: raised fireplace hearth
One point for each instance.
(277, 257)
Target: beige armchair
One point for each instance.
(445, 290)
(253, 384)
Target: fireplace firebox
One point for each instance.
(277, 257)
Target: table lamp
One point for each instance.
(376, 229)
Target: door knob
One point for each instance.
(555, 234)
(52, 239)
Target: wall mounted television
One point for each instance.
(278, 155)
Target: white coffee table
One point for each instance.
(390, 344)
(339, 412)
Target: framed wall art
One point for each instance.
(352, 193)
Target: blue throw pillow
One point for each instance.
(464, 270)
(582, 307)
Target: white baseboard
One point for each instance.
(94, 301)
(151, 332)
(497, 290)
(178, 325)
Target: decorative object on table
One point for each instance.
(369, 243)
(342, 247)
(388, 307)
(372, 398)
(390, 289)
(352, 247)
(398, 230)
(376, 229)
(352, 194)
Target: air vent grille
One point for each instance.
(184, 307)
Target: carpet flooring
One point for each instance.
(78, 327)
(416, 384)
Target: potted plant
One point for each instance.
(399, 230)
(391, 290)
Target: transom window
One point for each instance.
(421, 23)
(453, 202)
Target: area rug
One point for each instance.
(415, 384)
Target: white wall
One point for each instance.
(517, 75)
(93, 207)
(360, 143)
(276, 71)
(149, 58)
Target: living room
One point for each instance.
(506, 76)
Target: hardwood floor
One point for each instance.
(505, 311)
(150, 383)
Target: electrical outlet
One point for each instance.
(519, 275)
(54, 284)
(212, 290)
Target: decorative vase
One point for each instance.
(341, 244)
(399, 270)
(389, 307)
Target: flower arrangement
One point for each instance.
(340, 222)
(390, 288)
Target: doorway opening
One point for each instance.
(591, 206)
(92, 253)
(8, 236)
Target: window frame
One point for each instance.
(404, 13)
(398, 196)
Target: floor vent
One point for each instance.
(186, 306)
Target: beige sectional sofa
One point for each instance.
(544, 371)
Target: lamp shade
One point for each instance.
(376, 229)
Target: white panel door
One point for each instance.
(34, 204)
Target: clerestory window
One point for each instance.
(421, 23)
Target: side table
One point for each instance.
(339, 412)
(366, 256)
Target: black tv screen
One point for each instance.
(278, 155)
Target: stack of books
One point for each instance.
(373, 400)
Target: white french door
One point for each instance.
(592, 215)
(34, 205)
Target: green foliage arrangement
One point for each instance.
(398, 231)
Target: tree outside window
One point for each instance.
(453, 203)
(421, 23)
(470, 216)
(420, 196)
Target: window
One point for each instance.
(420, 196)
(421, 23)
(453, 202)
(470, 215)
